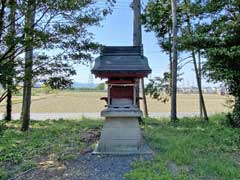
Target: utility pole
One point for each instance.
(137, 41)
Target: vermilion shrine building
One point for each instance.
(123, 66)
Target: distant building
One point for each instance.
(188, 90)
(221, 90)
(209, 90)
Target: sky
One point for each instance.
(117, 30)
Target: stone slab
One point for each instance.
(143, 150)
(121, 113)
(116, 122)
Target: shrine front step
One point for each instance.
(120, 136)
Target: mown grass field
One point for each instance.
(190, 149)
(77, 101)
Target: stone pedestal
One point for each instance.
(121, 133)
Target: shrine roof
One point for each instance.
(121, 59)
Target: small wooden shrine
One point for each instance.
(123, 66)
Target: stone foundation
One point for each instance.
(120, 135)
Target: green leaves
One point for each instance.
(157, 18)
(159, 88)
(60, 31)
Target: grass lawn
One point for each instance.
(190, 149)
(47, 144)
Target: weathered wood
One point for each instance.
(122, 74)
(145, 107)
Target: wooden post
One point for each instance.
(144, 99)
(134, 95)
(109, 99)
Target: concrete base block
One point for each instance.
(120, 135)
(121, 112)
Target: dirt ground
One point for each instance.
(77, 102)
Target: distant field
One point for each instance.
(90, 102)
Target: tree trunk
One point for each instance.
(29, 23)
(196, 70)
(170, 62)
(27, 89)
(200, 77)
(199, 86)
(12, 33)
(8, 116)
(2, 14)
(174, 62)
(3, 96)
(235, 118)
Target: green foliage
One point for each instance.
(59, 83)
(2, 127)
(235, 117)
(26, 165)
(211, 27)
(219, 38)
(199, 150)
(101, 86)
(159, 88)
(66, 28)
(42, 90)
(156, 17)
(152, 170)
(20, 151)
(3, 174)
(60, 33)
(53, 73)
